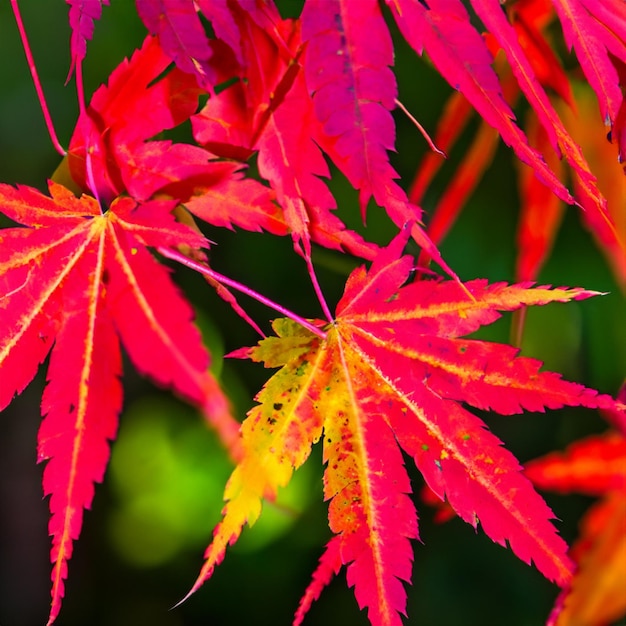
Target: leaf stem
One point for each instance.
(174, 255)
(318, 289)
(422, 130)
(84, 114)
(37, 83)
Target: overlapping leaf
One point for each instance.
(445, 32)
(77, 281)
(82, 15)
(134, 107)
(272, 112)
(594, 466)
(181, 35)
(347, 66)
(460, 54)
(393, 368)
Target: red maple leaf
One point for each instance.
(445, 33)
(76, 281)
(111, 154)
(390, 372)
(594, 466)
(81, 18)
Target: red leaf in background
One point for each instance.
(594, 28)
(272, 112)
(347, 68)
(181, 35)
(460, 54)
(82, 280)
(81, 18)
(445, 32)
(588, 194)
(541, 210)
(593, 466)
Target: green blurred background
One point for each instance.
(142, 544)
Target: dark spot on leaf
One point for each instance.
(425, 447)
(278, 406)
(105, 277)
(72, 408)
(87, 217)
(271, 421)
(462, 349)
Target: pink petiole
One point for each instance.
(174, 255)
(38, 88)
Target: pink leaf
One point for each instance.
(181, 35)
(82, 16)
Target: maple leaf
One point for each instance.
(270, 111)
(110, 143)
(82, 15)
(462, 57)
(444, 31)
(594, 466)
(77, 281)
(181, 35)
(540, 216)
(389, 373)
(595, 30)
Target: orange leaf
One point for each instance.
(597, 466)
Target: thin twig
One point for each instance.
(38, 88)
(83, 114)
(174, 255)
(422, 130)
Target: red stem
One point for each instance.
(422, 130)
(207, 271)
(38, 88)
(80, 92)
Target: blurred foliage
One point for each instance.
(142, 544)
